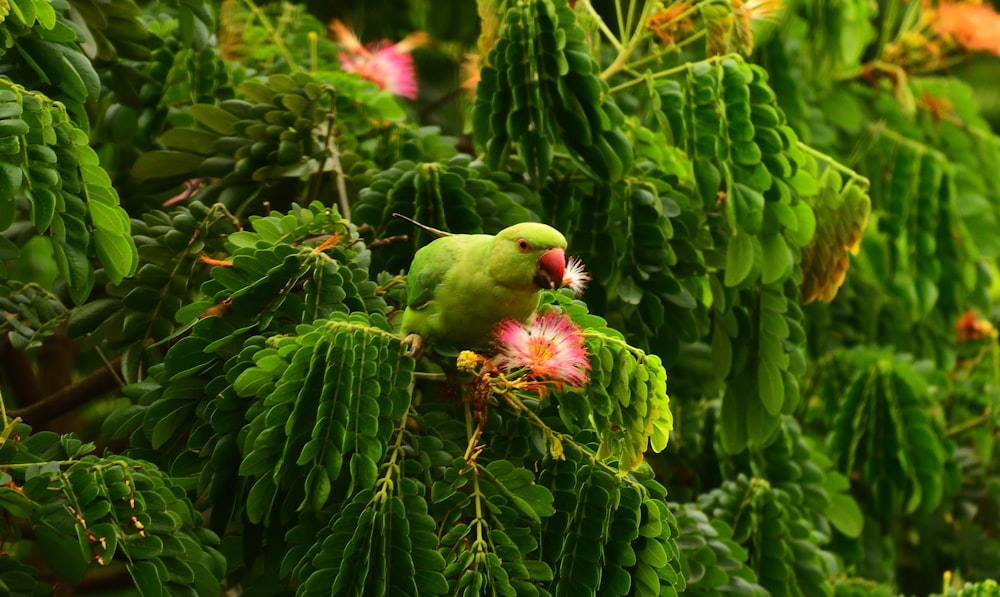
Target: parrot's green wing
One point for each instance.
(432, 263)
(421, 285)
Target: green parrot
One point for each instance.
(461, 285)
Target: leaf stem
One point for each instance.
(654, 56)
(832, 163)
(337, 166)
(995, 352)
(972, 423)
(668, 72)
(627, 34)
(641, 354)
(471, 452)
(334, 323)
(602, 25)
(633, 40)
(621, 18)
(8, 426)
(537, 422)
(274, 33)
(391, 468)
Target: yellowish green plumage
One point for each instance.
(460, 286)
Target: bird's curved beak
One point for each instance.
(551, 269)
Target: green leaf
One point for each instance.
(804, 183)
(749, 208)
(84, 70)
(62, 553)
(117, 253)
(162, 164)
(43, 207)
(802, 235)
(770, 386)
(739, 258)
(190, 140)
(251, 381)
(215, 118)
(11, 177)
(708, 178)
(147, 579)
(777, 258)
(845, 514)
(259, 500)
(106, 549)
(15, 503)
(629, 291)
(45, 14)
(166, 427)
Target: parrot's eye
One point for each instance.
(522, 244)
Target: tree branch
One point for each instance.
(20, 373)
(71, 397)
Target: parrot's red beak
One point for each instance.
(551, 269)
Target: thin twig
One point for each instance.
(668, 72)
(111, 368)
(972, 423)
(274, 33)
(378, 242)
(832, 163)
(602, 25)
(338, 169)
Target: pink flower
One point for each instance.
(575, 278)
(549, 348)
(389, 66)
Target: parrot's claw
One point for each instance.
(415, 342)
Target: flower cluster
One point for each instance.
(389, 66)
(550, 348)
(970, 327)
(944, 34)
(975, 27)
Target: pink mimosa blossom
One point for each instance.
(549, 349)
(389, 66)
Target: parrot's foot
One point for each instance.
(415, 342)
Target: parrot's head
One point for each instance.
(529, 254)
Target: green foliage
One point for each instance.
(883, 431)
(982, 589)
(141, 309)
(850, 587)
(19, 580)
(86, 511)
(321, 415)
(244, 143)
(713, 562)
(30, 314)
(70, 199)
(783, 550)
(627, 403)
(433, 194)
(539, 88)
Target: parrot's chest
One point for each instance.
(473, 310)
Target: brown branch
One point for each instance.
(385, 241)
(99, 382)
(20, 374)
